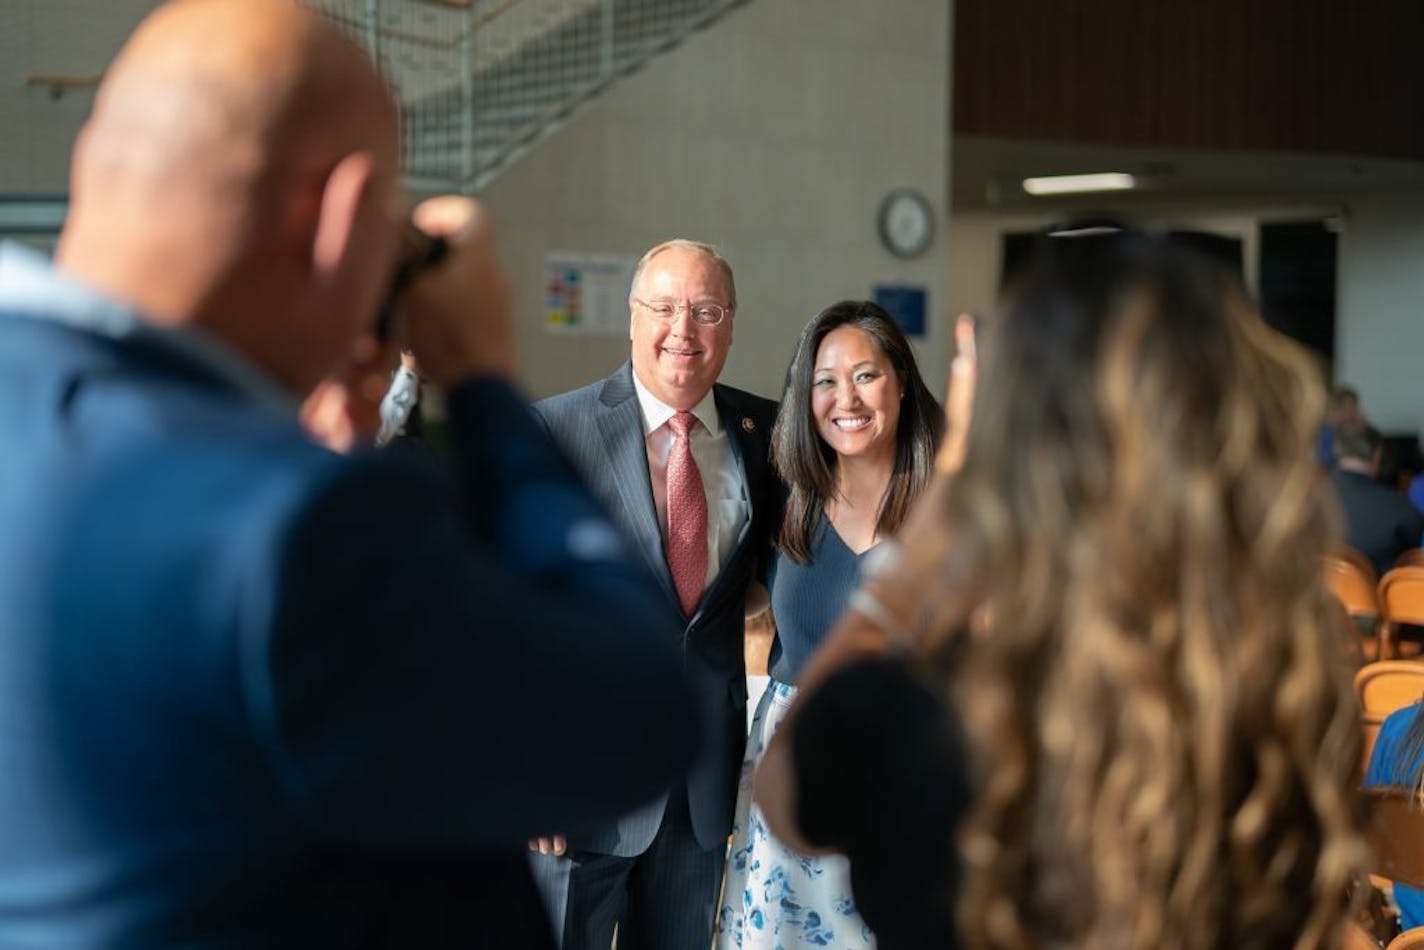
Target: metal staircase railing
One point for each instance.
(483, 81)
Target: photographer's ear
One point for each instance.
(348, 187)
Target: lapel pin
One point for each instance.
(748, 425)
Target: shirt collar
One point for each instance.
(656, 413)
(33, 288)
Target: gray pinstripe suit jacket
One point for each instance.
(600, 428)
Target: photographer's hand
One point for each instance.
(343, 412)
(552, 844)
(458, 323)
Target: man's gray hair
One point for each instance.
(1341, 395)
(684, 244)
(1356, 440)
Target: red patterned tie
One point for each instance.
(687, 515)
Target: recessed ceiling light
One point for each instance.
(1079, 184)
(1093, 231)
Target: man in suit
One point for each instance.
(1379, 522)
(254, 693)
(681, 462)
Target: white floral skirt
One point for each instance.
(775, 898)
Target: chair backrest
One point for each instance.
(1382, 688)
(1411, 939)
(1401, 595)
(1352, 583)
(1413, 557)
(1396, 836)
(1356, 557)
(1401, 600)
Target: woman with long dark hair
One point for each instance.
(854, 442)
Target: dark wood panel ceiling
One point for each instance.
(1331, 76)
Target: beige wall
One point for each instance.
(64, 37)
(774, 135)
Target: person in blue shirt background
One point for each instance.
(1398, 761)
(1344, 407)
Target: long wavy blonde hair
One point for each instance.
(1154, 693)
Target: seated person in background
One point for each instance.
(1119, 591)
(1416, 493)
(1344, 409)
(1379, 521)
(1397, 761)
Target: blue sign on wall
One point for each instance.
(904, 302)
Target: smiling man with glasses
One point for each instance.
(681, 463)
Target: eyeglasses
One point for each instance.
(704, 314)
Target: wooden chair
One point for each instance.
(1382, 688)
(1414, 557)
(1396, 835)
(1356, 557)
(1401, 600)
(1351, 578)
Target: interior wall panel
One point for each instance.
(1296, 75)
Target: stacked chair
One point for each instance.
(1351, 578)
(1382, 688)
(1401, 601)
(1380, 609)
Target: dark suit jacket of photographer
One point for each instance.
(253, 693)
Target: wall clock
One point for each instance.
(906, 223)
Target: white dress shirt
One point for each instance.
(723, 480)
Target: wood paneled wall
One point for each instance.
(1331, 76)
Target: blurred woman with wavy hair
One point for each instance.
(1119, 594)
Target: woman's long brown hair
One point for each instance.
(1153, 690)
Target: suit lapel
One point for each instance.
(620, 422)
(748, 446)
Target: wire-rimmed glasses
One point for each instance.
(703, 314)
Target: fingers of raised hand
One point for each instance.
(959, 399)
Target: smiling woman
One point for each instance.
(855, 397)
(856, 434)
(855, 441)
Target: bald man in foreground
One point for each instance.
(253, 693)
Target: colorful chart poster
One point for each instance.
(587, 293)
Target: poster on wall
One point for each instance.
(904, 302)
(587, 293)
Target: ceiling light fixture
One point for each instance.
(1079, 184)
